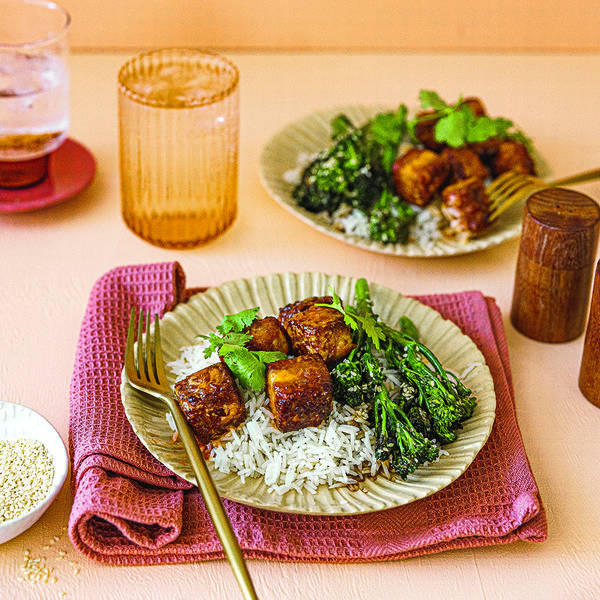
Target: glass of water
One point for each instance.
(34, 88)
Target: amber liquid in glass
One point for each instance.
(178, 163)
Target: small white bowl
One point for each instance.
(17, 422)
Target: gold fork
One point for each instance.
(512, 188)
(145, 371)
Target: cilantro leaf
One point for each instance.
(248, 369)
(431, 99)
(387, 130)
(457, 125)
(269, 357)
(452, 128)
(238, 321)
(373, 330)
(217, 341)
(248, 366)
(484, 128)
(356, 321)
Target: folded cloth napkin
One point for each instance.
(130, 509)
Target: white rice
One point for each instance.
(426, 229)
(294, 176)
(337, 453)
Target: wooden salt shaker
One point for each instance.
(555, 265)
(589, 375)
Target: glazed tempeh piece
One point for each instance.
(299, 391)
(211, 402)
(321, 330)
(268, 335)
(289, 310)
(512, 156)
(466, 206)
(464, 163)
(418, 174)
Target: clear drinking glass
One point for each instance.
(34, 88)
(179, 137)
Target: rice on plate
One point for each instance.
(340, 452)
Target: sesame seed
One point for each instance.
(35, 569)
(26, 474)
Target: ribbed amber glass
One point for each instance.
(179, 137)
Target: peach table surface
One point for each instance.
(51, 259)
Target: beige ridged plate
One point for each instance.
(204, 311)
(312, 134)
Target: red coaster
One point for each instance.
(71, 170)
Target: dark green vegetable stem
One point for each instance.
(432, 402)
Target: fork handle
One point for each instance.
(213, 502)
(580, 178)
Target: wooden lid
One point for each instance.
(560, 229)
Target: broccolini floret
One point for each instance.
(431, 403)
(348, 380)
(390, 219)
(357, 172)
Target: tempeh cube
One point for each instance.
(211, 402)
(418, 174)
(512, 156)
(464, 163)
(292, 309)
(321, 330)
(268, 335)
(299, 391)
(466, 206)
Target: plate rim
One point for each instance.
(315, 506)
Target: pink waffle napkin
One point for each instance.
(130, 509)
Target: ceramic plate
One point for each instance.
(312, 134)
(204, 311)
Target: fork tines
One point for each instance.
(508, 189)
(149, 353)
(144, 361)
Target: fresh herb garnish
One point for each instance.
(248, 366)
(457, 125)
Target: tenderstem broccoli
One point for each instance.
(357, 172)
(431, 404)
(390, 219)
(397, 440)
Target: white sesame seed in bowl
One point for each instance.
(33, 468)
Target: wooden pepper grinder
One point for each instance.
(589, 375)
(555, 265)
